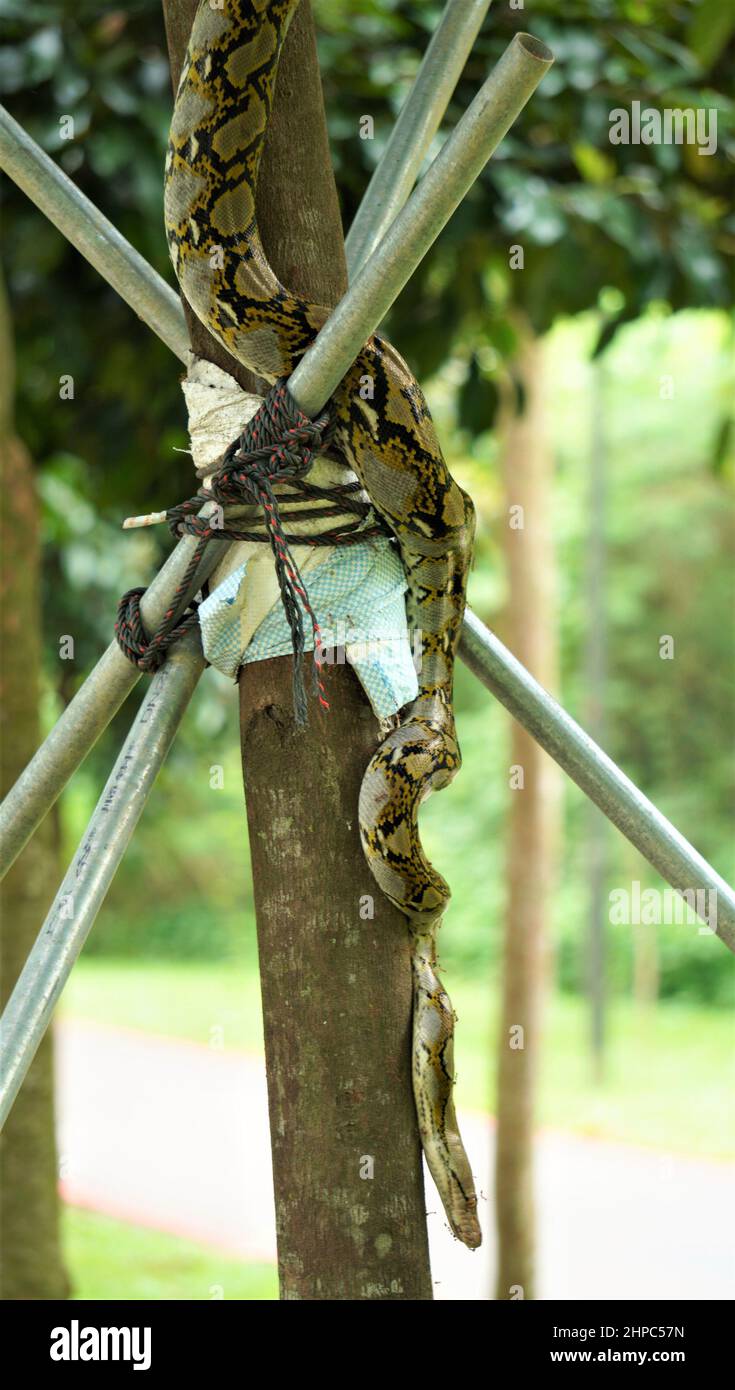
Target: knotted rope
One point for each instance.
(277, 446)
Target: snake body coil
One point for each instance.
(219, 122)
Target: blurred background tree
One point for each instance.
(30, 1258)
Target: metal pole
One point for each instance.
(605, 784)
(91, 871)
(90, 874)
(90, 232)
(657, 839)
(465, 154)
(93, 707)
(509, 87)
(415, 127)
(100, 697)
(89, 713)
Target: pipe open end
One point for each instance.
(535, 48)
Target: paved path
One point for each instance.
(153, 1130)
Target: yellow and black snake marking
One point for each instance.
(220, 117)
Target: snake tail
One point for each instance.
(433, 1088)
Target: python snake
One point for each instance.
(218, 127)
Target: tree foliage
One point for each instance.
(625, 225)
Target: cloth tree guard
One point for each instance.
(257, 608)
(358, 591)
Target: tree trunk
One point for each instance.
(527, 464)
(335, 971)
(30, 1257)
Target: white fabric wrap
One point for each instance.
(218, 409)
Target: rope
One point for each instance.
(277, 446)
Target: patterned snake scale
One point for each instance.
(217, 131)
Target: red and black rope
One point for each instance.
(277, 446)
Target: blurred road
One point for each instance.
(174, 1135)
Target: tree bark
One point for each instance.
(31, 1266)
(334, 961)
(531, 620)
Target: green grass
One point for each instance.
(669, 1075)
(179, 999)
(111, 1260)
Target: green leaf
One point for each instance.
(593, 165)
(710, 29)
